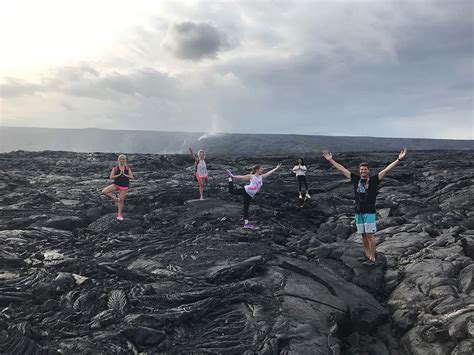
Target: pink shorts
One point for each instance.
(121, 188)
(201, 177)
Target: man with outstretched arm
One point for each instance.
(365, 189)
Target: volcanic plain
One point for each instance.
(179, 275)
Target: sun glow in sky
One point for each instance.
(37, 34)
(317, 67)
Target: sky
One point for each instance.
(354, 68)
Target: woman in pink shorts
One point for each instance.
(121, 175)
(200, 170)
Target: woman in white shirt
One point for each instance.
(300, 170)
(249, 191)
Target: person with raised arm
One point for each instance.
(200, 170)
(249, 191)
(366, 189)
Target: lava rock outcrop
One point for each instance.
(180, 275)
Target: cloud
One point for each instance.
(72, 73)
(85, 81)
(13, 87)
(195, 40)
(145, 83)
(436, 30)
(54, 80)
(67, 106)
(297, 67)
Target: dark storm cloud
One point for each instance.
(195, 40)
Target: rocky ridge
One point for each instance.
(163, 142)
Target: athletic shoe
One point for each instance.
(300, 196)
(120, 217)
(249, 226)
(362, 258)
(307, 195)
(229, 173)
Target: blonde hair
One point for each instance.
(122, 156)
(201, 151)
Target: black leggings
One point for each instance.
(247, 198)
(302, 180)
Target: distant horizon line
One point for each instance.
(230, 133)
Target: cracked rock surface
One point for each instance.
(179, 275)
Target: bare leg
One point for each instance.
(109, 191)
(365, 240)
(372, 245)
(201, 188)
(121, 201)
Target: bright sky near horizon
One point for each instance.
(366, 68)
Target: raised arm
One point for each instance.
(192, 153)
(271, 171)
(389, 167)
(243, 177)
(327, 154)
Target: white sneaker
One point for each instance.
(300, 196)
(307, 195)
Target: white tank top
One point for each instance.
(255, 185)
(202, 168)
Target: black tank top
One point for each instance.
(121, 180)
